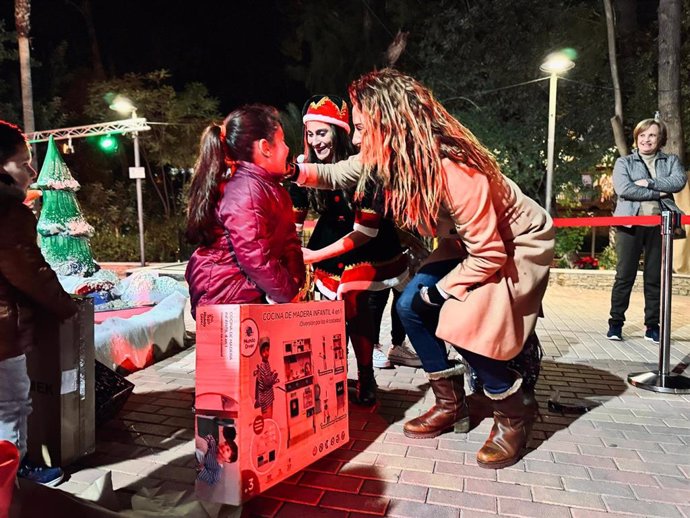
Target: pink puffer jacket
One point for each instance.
(257, 251)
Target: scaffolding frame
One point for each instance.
(133, 125)
(121, 127)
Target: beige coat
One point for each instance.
(504, 244)
(496, 291)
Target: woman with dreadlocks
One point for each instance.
(483, 288)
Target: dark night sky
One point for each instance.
(232, 46)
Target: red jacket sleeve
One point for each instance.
(247, 217)
(292, 252)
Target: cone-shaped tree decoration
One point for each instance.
(63, 231)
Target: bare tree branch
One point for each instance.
(617, 119)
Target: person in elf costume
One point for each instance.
(354, 248)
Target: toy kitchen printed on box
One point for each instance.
(271, 394)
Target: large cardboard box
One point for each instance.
(271, 394)
(61, 365)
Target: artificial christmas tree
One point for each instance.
(64, 233)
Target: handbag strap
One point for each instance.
(670, 205)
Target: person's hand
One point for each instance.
(427, 300)
(291, 172)
(309, 256)
(418, 249)
(642, 183)
(416, 255)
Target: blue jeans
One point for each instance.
(421, 329)
(15, 403)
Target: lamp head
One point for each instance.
(557, 63)
(123, 105)
(67, 147)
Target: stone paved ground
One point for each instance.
(630, 456)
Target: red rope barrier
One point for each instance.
(608, 221)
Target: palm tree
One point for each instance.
(22, 15)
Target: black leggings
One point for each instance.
(377, 304)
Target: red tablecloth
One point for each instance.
(100, 316)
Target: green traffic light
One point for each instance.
(108, 143)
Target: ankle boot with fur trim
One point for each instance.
(514, 414)
(481, 406)
(450, 410)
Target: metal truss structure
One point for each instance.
(132, 125)
(121, 127)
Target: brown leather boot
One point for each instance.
(481, 407)
(450, 410)
(514, 415)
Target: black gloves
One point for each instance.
(427, 300)
(292, 172)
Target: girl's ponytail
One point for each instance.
(204, 190)
(220, 150)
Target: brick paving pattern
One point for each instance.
(628, 456)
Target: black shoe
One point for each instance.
(615, 332)
(652, 334)
(365, 393)
(40, 474)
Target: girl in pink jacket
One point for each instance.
(241, 215)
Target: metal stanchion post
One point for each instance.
(663, 380)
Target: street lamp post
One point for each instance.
(140, 203)
(556, 63)
(123, 105)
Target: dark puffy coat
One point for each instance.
(256, 252)
(27, 283)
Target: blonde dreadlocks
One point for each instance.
(406, 134)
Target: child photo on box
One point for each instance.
(266, 378)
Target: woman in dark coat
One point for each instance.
(28, 286)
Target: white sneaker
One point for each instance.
(403, 354)
(380, 360)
